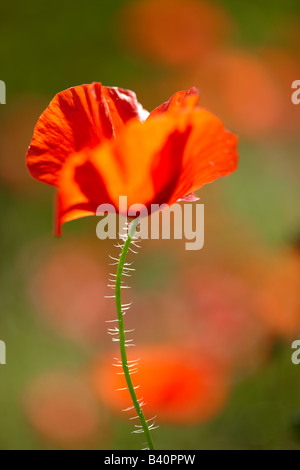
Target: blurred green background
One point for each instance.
(237, 301)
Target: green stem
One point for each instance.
(131, 232)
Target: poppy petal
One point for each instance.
(77, 118)
(192, 197)
(180, 153)
(115, 168)
(179, 101)
(210, 152)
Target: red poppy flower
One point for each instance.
(97, 143)
(279, 296)
(61, 407)
(175, 383)
(174, 32)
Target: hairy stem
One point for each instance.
(131, 232)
